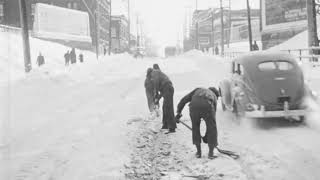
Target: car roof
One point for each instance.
(252, 59)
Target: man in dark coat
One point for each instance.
(40, 60)
(203, 105)
(216, 50)
(73, 56)
(67, 58)
(162, 87)
(81, 57)
(255, 46)
(149, 90)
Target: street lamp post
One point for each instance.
(25, 35)
(110, 36)
(249, 25)
(222, 28)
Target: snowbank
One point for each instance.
(107, 68)
(299, 41)
(240, 46)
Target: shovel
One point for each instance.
(204, 139)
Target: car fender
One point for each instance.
(224, 88)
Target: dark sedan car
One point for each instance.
(265, 85)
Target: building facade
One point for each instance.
(281, 20)
(206, 27)
(98, 10)
(120, 34)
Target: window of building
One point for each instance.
(69, 5)
(1, 10)
(75, 5)
(1, 13)
(33, 9)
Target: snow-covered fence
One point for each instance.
(231, 55)
(312, 53)
(5, 28)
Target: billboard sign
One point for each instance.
(54, 22)
(283, 13)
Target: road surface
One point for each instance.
(60, 129)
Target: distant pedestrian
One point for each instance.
(40, 60)
(255, 46)
(104, 50)
(73, 56)
(81, 57)
(67, 58)
(216, 50)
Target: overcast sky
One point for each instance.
(163, 19)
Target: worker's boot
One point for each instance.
(171, 130)
(198, 154)
(211, 155)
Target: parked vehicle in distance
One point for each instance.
(139, 52)
(265, 85)
(170, 51)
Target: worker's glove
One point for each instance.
(178, 116)
(156, 101)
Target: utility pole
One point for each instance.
(312, 24)
(110, 29)
(260, 16)
(138, 38)
(25, 35)
(222, 28)
(249, 25)
(197, 35)
(129, 34)
(97, 21)
(212, 32)
(196, 4)
(229, 31)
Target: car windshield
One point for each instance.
(273, 65)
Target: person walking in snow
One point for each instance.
(67, 58)
(81, 57)
(163, 87)
(216, 50)
(40, 60)
(255, 46)
(73, 56)
(203, 105)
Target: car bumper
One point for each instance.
(266, 114)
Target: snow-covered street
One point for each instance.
(91, 122)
